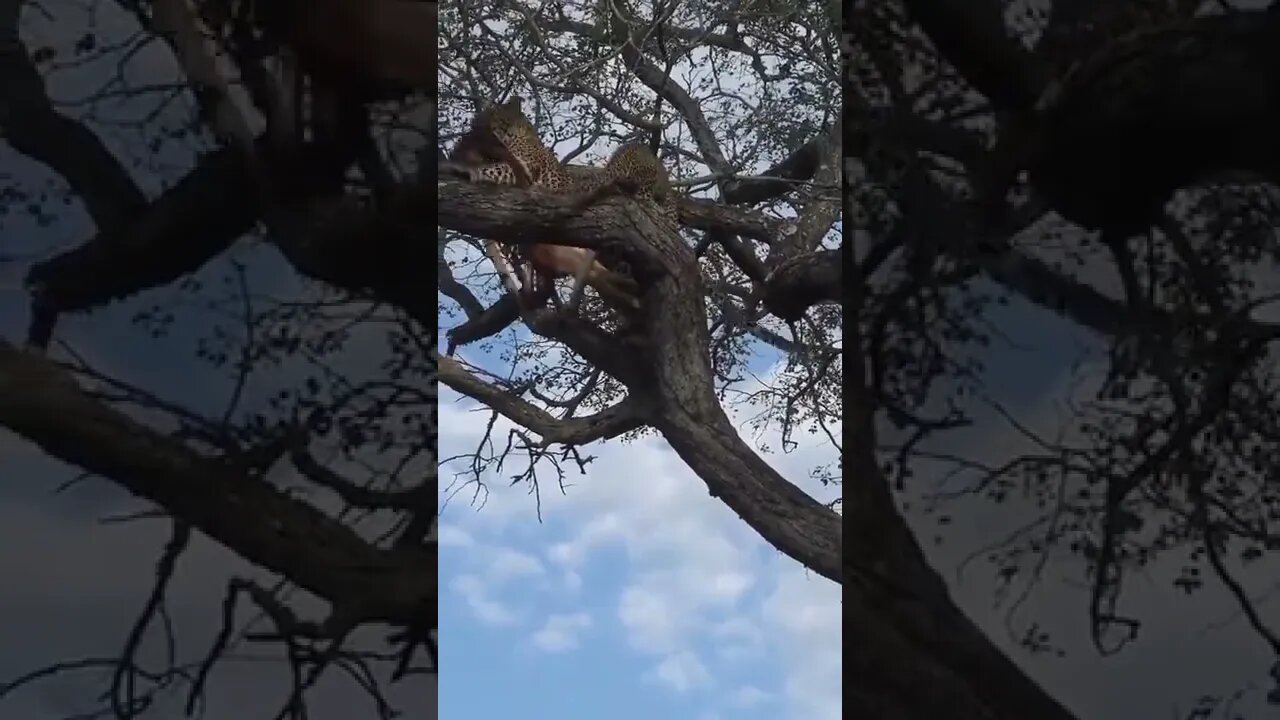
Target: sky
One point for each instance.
(636, 596)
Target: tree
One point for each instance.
(766, 274)
(1131, 120)
(282, 445)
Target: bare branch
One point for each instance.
(622, 417)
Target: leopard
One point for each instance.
(504, 136)
(503, 148)
(635, 165)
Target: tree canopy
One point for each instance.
(1109, 163)
(238, 337)
(742, 102)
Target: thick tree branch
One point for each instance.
(188, 225)
(138, 248)
(937, 218)
(972, 37)
(801, 281)
(524, 216)
(41, 403)
(714, 216)
(823, 205)
(30, 125)
(356, 246)
(489, 322)
(1103, 154)
(669, 90)
(450, 286)
(898, 126)
(908, 632)
(691, 418)
(353, 493)
(192, 222)
(670, 367)
(800, 165)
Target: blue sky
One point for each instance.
(637, 596)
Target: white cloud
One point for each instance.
(680, 672)
(596, 532)
(485, 609)
(495, 568)
(737, 639)
(454, 536)
(803, 615)
(653, 624)
(697, 582)
(506, 565)
(749, 696)
(560, 632)
(572, 581)
(664, 609)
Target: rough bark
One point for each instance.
(668, 371)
